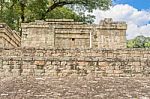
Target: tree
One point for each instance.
(17, 11)
(139, 42)
(147, 44)
(35, 9)
(1, 9)
(10, 13)
(22, 4)
(88, 5)
(50, 5)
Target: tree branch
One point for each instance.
(62, 3)
(59, 4)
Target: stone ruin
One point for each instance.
(62, 47)
(8, 37)
(67, 34)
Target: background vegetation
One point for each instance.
(139, 42)
(13, 12)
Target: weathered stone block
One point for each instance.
(26, 72)
(16, 72)
(39, 72)
(109, 71)
(6, 67)
(7, 73)
(117, 71)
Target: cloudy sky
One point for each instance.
(135, 12)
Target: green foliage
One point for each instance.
(94, 4)
(35, 9)
(88, 5)
(13, 12)
(139, 42)
(147, 44)
(10, 13)
(67, 13)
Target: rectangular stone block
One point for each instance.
(6, 67)
(16, 72)
(25, 72)
(118, 71)
(109, 71)
(7, 73)
(51, 73)
(39, 72)
(16, 66)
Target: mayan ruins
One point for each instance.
(64, 48)
(67, 34)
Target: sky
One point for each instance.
(138, 4)
(136, 13)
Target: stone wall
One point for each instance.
(111, 34)
(65, 33)
(37, 34)
(64, 62)
(72, 37)
(8, 37)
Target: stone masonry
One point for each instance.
(8, 37)
(67, 34)
(63, 62)
(63, 59)
(63, 47)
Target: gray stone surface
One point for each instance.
(74, 87)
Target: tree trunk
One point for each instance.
(1, 14)
(22, 13)
(55, 5)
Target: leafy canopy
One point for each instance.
(13, 12)
(139, 42)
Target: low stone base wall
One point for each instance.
(63, 62)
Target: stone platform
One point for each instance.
(64, 62)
